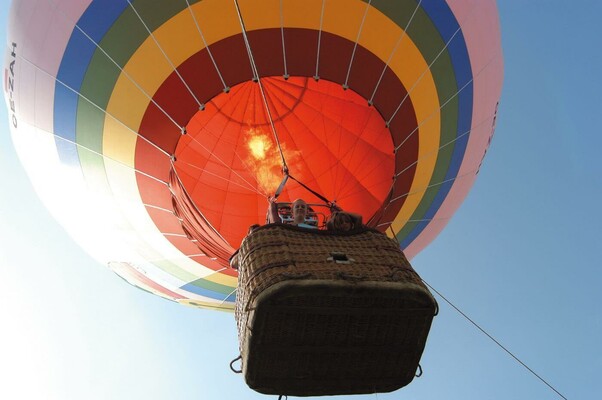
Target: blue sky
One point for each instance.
(520, 257)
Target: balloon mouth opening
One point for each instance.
(231, 158)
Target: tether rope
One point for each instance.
(497, 342)
(257, 78)
(494, 340)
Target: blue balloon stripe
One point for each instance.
(100, 16)
(447, 25)
(95, 22)
(193, 287)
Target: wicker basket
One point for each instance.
(324, 314)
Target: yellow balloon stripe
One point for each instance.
(148, 68)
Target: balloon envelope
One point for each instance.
(155, 131)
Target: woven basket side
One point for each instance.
(339, 310)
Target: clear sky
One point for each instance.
(520, 257)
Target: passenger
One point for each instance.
(342, 221)
(298, 210)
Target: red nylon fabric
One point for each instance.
(331, 139)
(196, 226)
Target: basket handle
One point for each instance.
(236, 371)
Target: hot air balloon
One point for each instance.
(155, 130)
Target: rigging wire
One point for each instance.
(360, 166)
(428, 68)
(423, 189)
(226, 298)
(357, 39)
(403, 34)
(431, 115)
(286, 75)
(317, 75)
(165, 234)
(125, 73)
(206, 171)
(104, 156)
(261, 89)
(212, 154)
(436, 152)
(175, 69)
(475, 76)
(251, 187)
(287, 175)
(94, 104)
(226, 88)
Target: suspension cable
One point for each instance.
(76, 92)
(261, 89)
(286, 75)
(318, 195)
(175, 69)
(121, 69)
(226, 88)
(105, 157)
(317, 75)
(470, 14)
(357, 39)
(403, 34)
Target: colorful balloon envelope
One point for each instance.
(156, 130)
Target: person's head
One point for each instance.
(299, 210)
(342, 221)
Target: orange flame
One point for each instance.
(263, 159)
